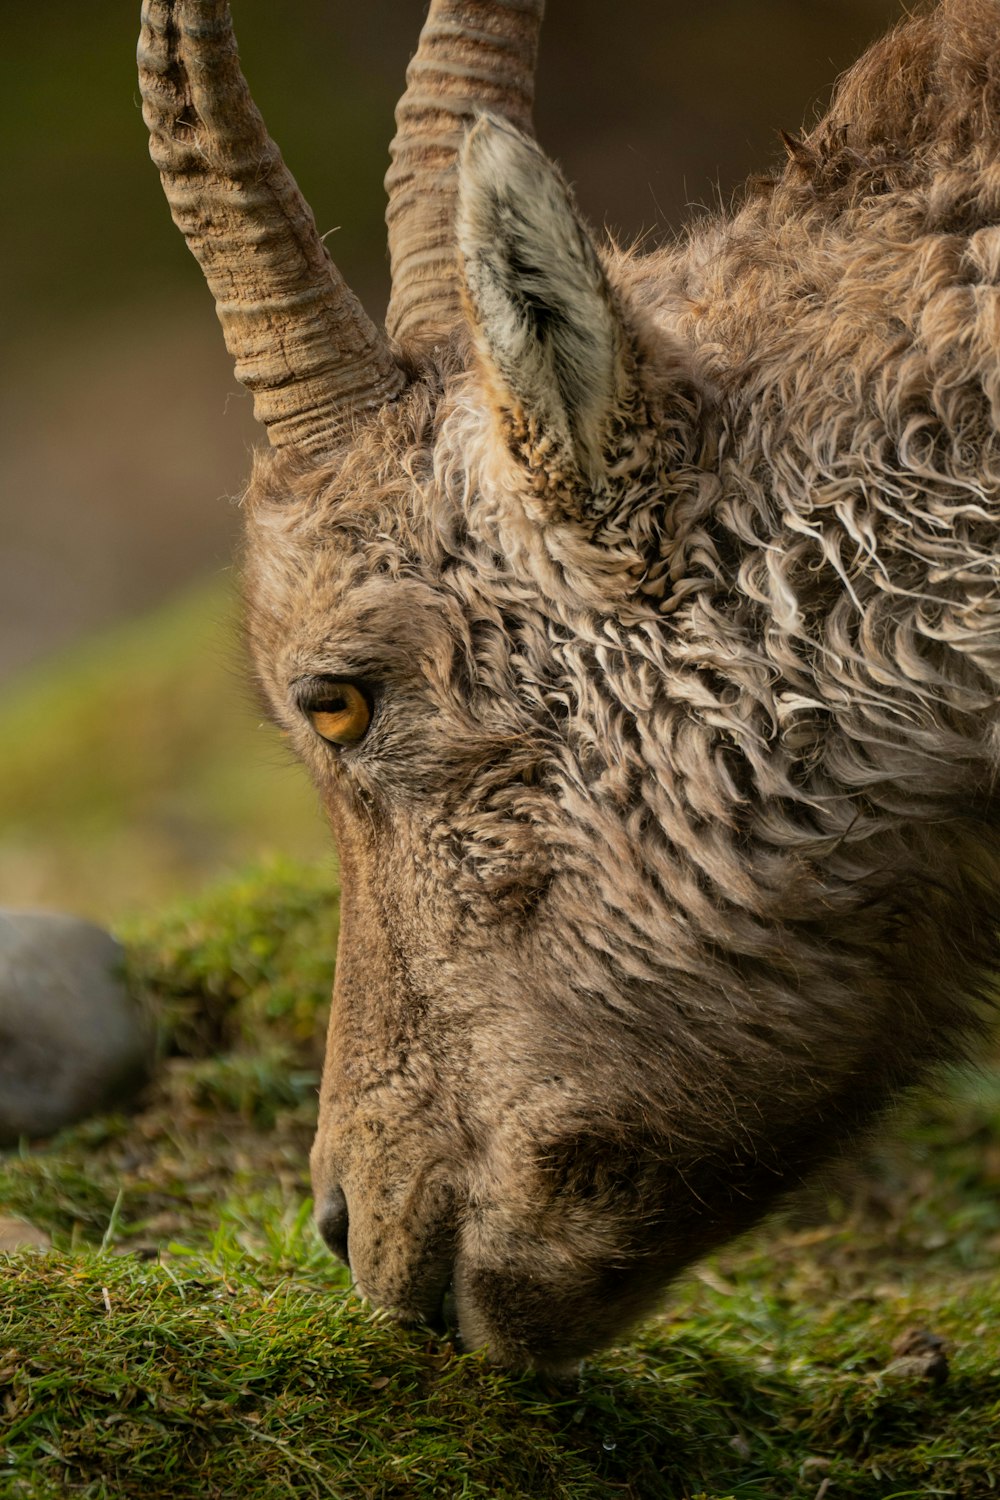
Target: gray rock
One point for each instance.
(18, 1234)
(72, 1041)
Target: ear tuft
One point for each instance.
(544, 317)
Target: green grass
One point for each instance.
(242, 1368)
(189, 1336)
(248, 962)
(136, 765)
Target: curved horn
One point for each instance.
(301, 340)
(473, 55)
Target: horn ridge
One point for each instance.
(473, 55)
(300, 339)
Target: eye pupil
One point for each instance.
(341, 715)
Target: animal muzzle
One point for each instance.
(529, 1303)
(401, 1255)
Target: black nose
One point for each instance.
(331, 1216)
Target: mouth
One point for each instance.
(529, 1313)
(530, 1301)
(444, 1322)
(448, 1326)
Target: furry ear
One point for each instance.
(545, 320)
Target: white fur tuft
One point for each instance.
(543, 314)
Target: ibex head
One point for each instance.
(542, 582)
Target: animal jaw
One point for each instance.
(668, 586)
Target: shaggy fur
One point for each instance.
(671, 853)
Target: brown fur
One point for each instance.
(671, 853)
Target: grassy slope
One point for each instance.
(209, 1349)
(136, 764)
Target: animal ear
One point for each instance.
(546, 322)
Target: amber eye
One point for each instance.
(341, 714)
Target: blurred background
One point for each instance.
(132, 764)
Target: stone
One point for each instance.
(72, 1040)
(16, 1234)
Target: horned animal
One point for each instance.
(637, 616)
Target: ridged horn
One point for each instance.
(301, 341)
(473, 55)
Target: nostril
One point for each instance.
(331, 1216)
